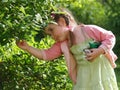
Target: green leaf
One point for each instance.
(4, 0)
(22, 9)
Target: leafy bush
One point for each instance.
(19, 70)
(89, 12)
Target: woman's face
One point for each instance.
(58, 33)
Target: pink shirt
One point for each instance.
(53, 52)
(107, 39)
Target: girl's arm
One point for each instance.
(34, 51)
(106, 38)
(48, 54)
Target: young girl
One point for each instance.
(88, 71)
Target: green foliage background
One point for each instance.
(26, 19)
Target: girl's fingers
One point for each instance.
(89, 58)
(20, 43)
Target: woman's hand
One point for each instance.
(22, 44)
(94, 54)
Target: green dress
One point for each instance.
(96, 75)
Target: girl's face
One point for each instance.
(58, 33)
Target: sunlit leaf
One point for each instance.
(22, 9)
(4, 0)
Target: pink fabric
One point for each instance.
(70, 61)
(107, 39)
(53, 52)
(100, 34)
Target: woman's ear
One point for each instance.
(61, 22)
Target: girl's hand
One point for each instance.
(22, 44)
(94, 54)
